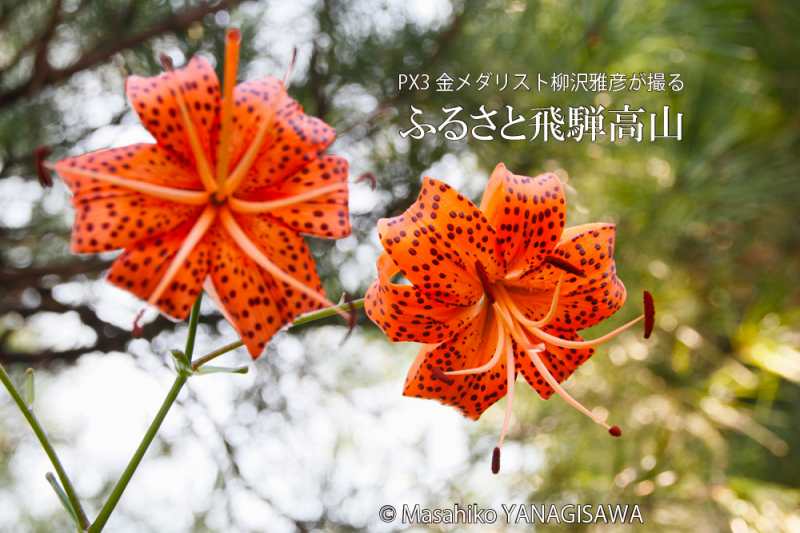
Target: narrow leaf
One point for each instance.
(51, 478)
(209, 369)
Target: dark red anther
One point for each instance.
(496, 460)
(45, 176)
(137, 330)
(615, 431)
(368, 177)
(484, 277)
(166, 62)
(437, 373)
(564, 265)
(649, 314)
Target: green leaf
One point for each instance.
(182, 364)
(208, 369)
(51, 478)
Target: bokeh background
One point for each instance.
(317, 435)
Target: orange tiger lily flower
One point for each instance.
(236, 174)
(496, 291)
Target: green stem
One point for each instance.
(305, 319)
(180, 381)
(127, 474)
(46, 446)
(200, 361)
(327, 312)
(194, 318)
(152, 430)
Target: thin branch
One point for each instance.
(110, 338)
(47, 76)
(443, 43)
(22, 277)
(46, 446)
(41, 64)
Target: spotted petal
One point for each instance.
(108, 216)
(293, 139)
(406, 313)
(142, 266)
(324, 211)
(248, 298)
(290, 253)
(439, 240)
(584, 300)
(471, 394)
(528, 213)
(155, 100)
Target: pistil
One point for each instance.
(232, 41)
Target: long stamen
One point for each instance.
(236, 177)
(244, 206)
(232, 42)
(252, 251)
(520, 316)
(195, 234)
(181, 196)
(551, 313)
(615, 431)
(535, 326)
(498, 351)
(203, 167)
(511, 378)
(533, 353)
(563, 343)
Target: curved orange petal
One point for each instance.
(405, 313)
(293, 139)
(139, 269)
(290, 253)
(154, 99)
(146, 163)
(324, 213)
(437, 242)
(471, 394)
(108, 216)
(583, 301)
(561, 362)
(103, 224)
(247, 297)
(528, 213)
